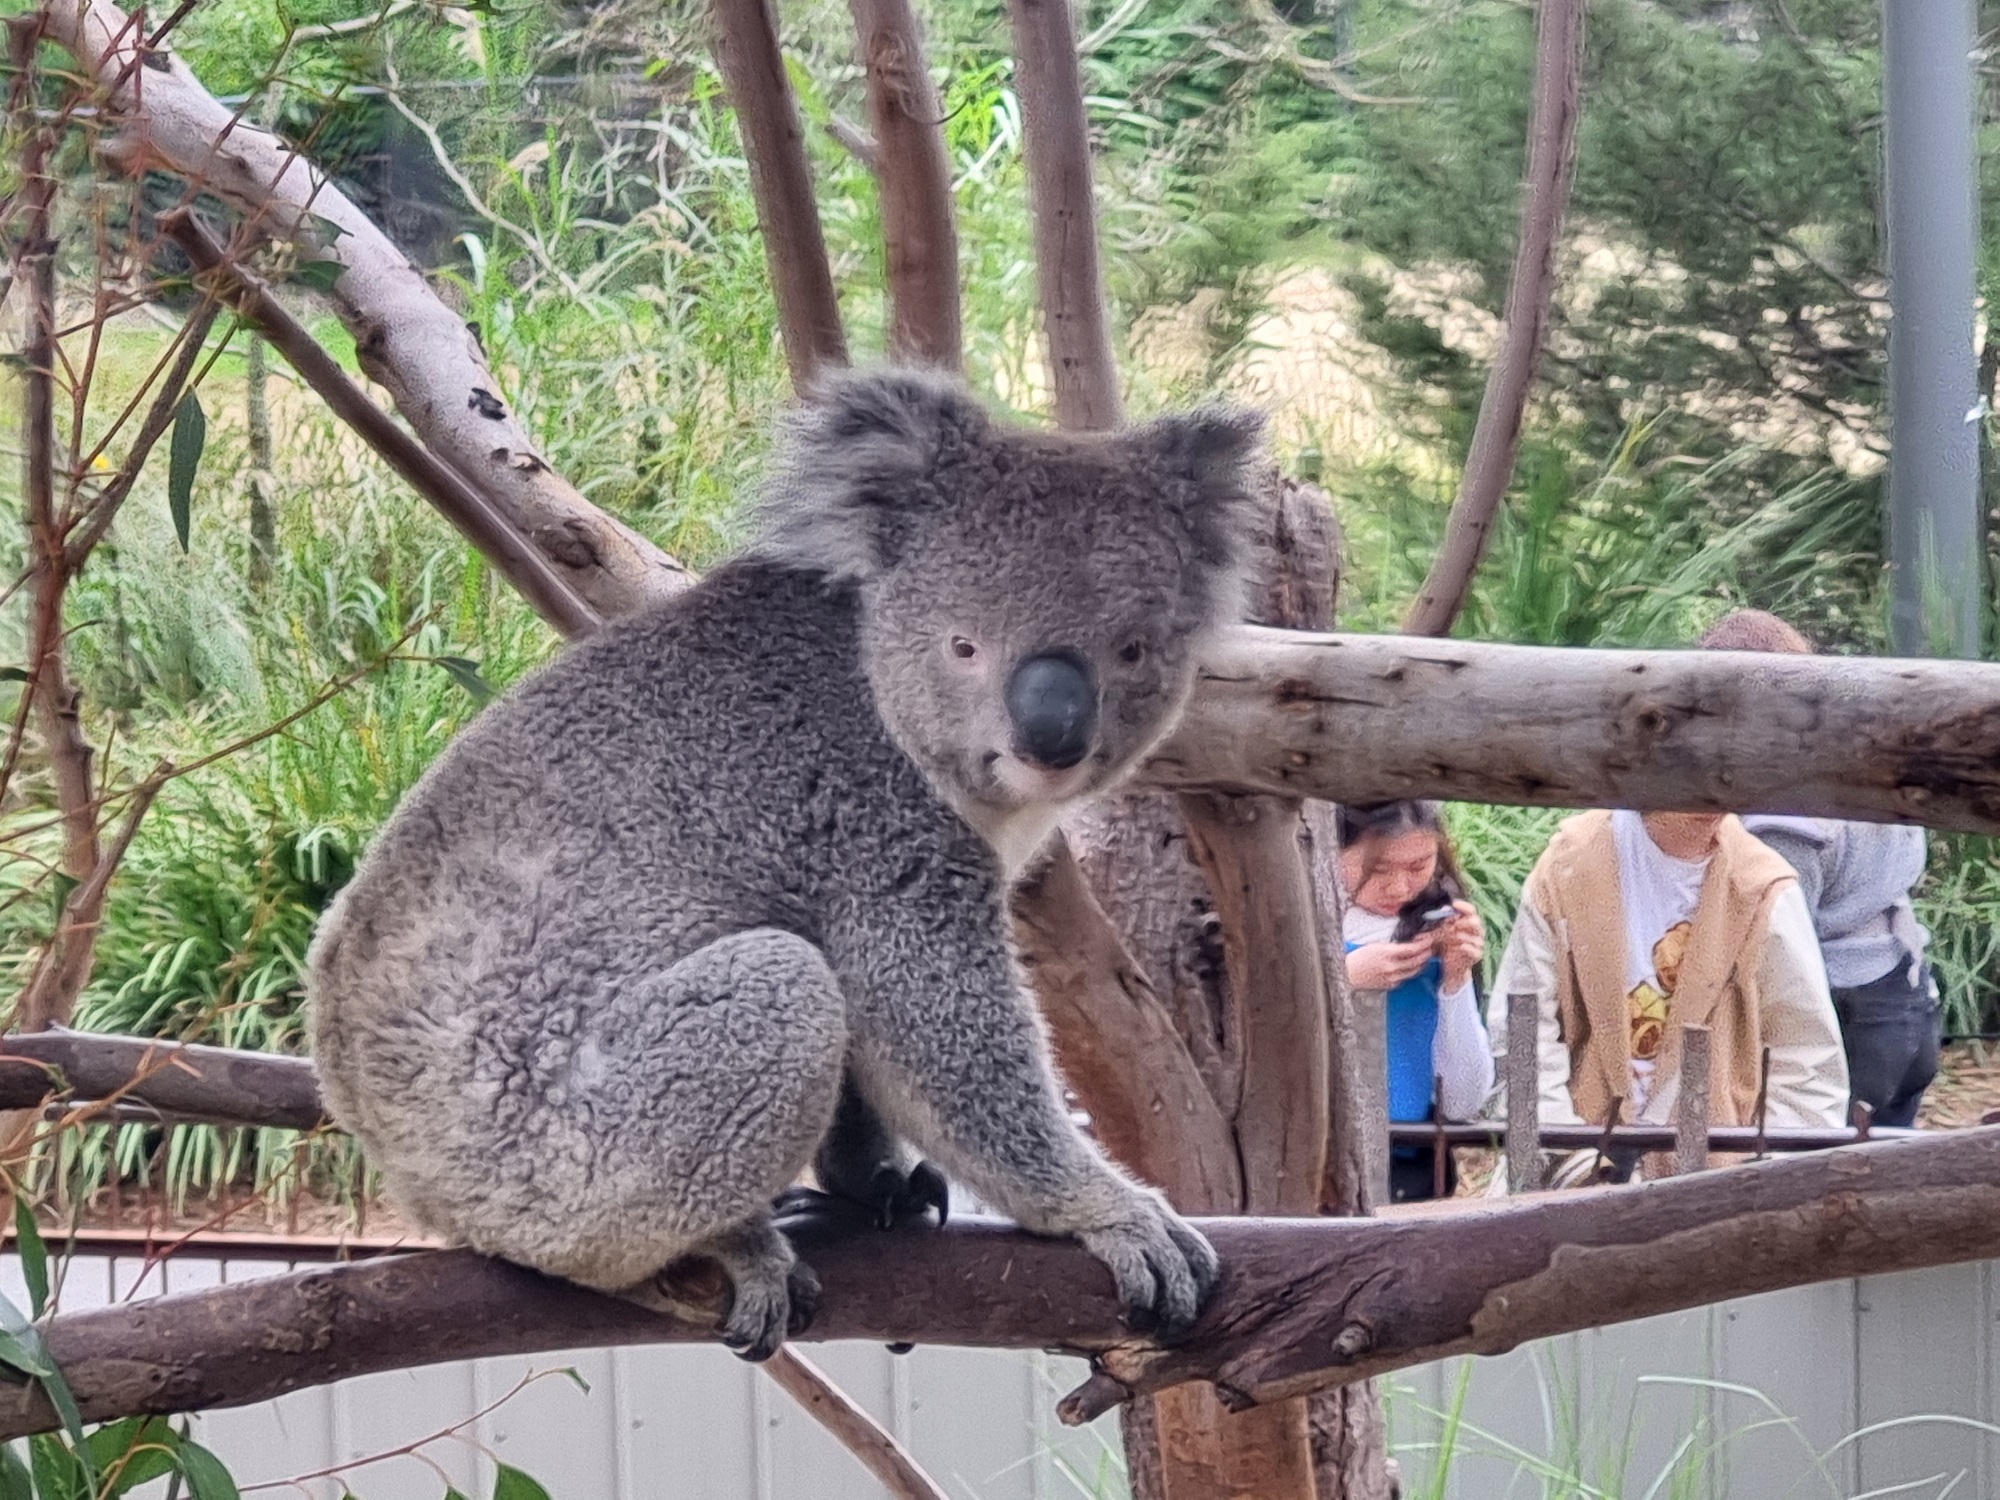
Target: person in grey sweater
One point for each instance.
(1857, 879)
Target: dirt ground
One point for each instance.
(1968, 1085)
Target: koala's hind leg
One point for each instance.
(692, 1100)
(773, 1294)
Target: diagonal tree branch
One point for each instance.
(1304, 1304)
(1496, 436)
(407, 339)
(539, 580)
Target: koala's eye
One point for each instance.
(963, 649)
(1132, 652)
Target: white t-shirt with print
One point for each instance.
(1659, 894)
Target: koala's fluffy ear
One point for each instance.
(856, 463)
(1208, 459)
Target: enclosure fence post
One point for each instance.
(1691, 1114)
(1524, 1126)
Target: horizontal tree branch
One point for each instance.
(1303, 1303)
(1353, 718)
(224, 1085)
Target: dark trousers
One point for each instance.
(1413, 1173)
(1891, 1030)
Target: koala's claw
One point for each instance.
(1163, 1269)
(765, 1312)
(802, 1289)
(899, 1195)
(800, 1204)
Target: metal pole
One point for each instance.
(1930, 186)
(1691, 1119)
(1523, 1093)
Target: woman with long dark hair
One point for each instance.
(1413, 944)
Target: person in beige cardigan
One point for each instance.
(1633, 925)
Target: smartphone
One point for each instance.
(1416, 921)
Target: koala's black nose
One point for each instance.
(1054, 708)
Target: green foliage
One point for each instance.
(599, 236)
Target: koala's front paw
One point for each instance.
(769, 1308)
(1162, 1266)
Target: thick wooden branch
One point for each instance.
(478, 520)
(1369, 718)
(913, 178)
(224, 1085)
(1496, 436)
(774, 145)
(1056, 137)
(1303, 1304)
(407, 339)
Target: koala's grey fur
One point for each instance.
(738, 865)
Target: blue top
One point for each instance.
(1412, 1025)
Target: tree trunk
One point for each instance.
(1056, 140)
(263, 465)
(1496, 436)
(774, 145)
(913, 180)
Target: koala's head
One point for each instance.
(1033, 603)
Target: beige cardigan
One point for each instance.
(1753, 975)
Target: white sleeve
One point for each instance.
(1808, 1064)
(1529, 966)
(1461, 1055)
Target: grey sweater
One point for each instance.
(1857, 879)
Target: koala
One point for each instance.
(719, 894)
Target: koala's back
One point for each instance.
(714, 766)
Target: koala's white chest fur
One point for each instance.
(1016, 836)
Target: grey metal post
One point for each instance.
(1691, 1119)
(1371, 1045)
(1930, 182)
(1524, 1091)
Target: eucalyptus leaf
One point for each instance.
(34, 1254)
(138, 1449)
(58, 1476)
(190, 437)
(16, 1483)
(511, 1484)
(465, 672)
(206, 1477)
(320, 275)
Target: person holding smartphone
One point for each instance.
(1414, 941)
